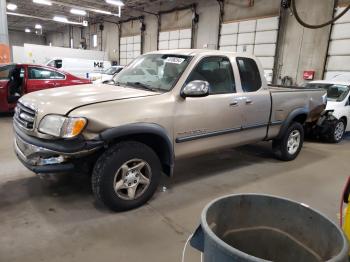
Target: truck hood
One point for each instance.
(64, 99)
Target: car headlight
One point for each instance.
(61, 126)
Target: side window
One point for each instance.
(36, 73)
(57, 75)
(22, 73)
(250, 74)
(217, 71)
(6, 71)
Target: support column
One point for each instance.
(5, 55)
(303, 49)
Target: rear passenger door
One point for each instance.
(208, 123)
(256, 100)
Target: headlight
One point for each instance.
(61, 126)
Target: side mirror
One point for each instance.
(197, 88)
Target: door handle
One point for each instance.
(248, 101)
(234, 103)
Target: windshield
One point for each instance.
(112, 70)
(5, 71)
(335, 92)
(154, 71)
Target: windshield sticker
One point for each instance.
(174, 60)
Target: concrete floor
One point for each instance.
(45, 220)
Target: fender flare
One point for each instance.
(111, 134)
(292, 115)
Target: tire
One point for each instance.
(337, 131)
(120, 167)
(285, 152)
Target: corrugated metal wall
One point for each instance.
(130, 41)
(338, 60)
(255, 36)
(175, 30)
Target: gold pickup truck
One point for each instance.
(164, 106)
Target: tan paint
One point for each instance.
(107, 106)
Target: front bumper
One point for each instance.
(52, 156)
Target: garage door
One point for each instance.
(255, 36)
(338, 60)
(130, 42)
(176, 30)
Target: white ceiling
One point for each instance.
(132, 8)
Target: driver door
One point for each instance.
(203, 124)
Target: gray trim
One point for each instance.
(167, 155)
(276, 123)
(292, 115)
(206, 135)
(254, 126)
(223, 132)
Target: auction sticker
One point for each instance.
(174, 60)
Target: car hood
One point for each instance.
(64, 99)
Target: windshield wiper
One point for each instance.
(143, 86)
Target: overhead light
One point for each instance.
(27, 30)
(102, 12)
(11, 7)
(38, 26)
(115, 2)
(78, 12)
(42, 2)
(61, 19)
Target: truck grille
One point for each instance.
(25, 116)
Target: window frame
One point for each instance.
(240, 77)
(42, 68)
(234, 89)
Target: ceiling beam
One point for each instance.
(43, 18)
(88, 8)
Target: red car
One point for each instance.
(19, 79)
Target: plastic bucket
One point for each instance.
(253, 227)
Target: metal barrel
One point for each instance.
(252, 227)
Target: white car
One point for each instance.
(105, 76)
(335, 120)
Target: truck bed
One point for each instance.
(281, 88)
(286, 99)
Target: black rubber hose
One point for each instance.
(300, 21)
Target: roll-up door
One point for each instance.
(130, 41)
(175, 30)
(254, 36)
(338, 60)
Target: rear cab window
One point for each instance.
(249, 73)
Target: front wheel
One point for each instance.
(126, 176)
(337, 132)
(288, 147)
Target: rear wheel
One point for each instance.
(288, 147)
(126, 176)
(337, 131)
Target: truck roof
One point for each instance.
(193, 52)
